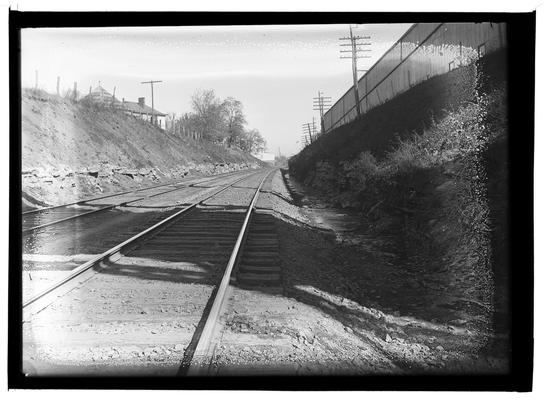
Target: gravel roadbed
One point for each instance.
(138, 315)
(340, 311)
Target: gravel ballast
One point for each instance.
(139, 314)
(342, 310)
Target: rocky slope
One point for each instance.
(75, 150)
(438, 200)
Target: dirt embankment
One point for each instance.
(437, 200)
(400, 118)
(75, 150)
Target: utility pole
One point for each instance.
(58, 85)
(310, 133)
(320, 102)
(305, 141)
(153, 118)
(36, 84)
(75, 91)
(307, 136)
(355, 43)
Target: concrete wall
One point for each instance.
(424, 51)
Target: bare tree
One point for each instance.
(253, 142)
(208, 115)
(235, 120)
(220, 121)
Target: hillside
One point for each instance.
(427, 175)
(74, 150)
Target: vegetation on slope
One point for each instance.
(218, 121)
(433, 189)
(71, 150)
(440, 196)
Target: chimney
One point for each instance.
(141, 101)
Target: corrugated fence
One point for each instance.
(424, 51)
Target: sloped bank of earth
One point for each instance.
(346, 308)
(421, 319)
(42, 187)
(72, 151)
(431, 217)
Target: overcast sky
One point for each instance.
(273, 70)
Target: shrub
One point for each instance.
(357, 172)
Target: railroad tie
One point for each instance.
(260, 263)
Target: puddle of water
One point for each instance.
(322, 215)
(337, 220)
(348, 226)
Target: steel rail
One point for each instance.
(122, 193)
(85, 271)
(201, 357)
(186, 185)
(100, 209)
(33, 228)
(96, 198)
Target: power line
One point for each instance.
(319, 104)
(315, 129)
(309, 132)
(356, 47)
(153, 117)
(307, 136)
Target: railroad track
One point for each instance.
(178, 272)
(44, 217)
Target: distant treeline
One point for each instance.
(217, 121)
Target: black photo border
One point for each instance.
(521, 78)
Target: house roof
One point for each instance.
(137, 108)
(99, 94)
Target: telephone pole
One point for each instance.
(307, 137)
(153, 118)
(320, 102)
(355, 43)
(304, 137)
